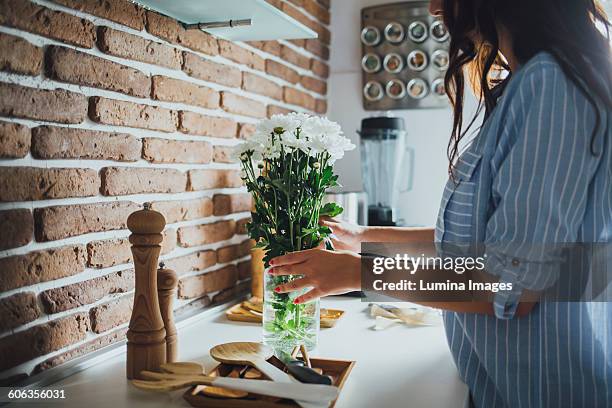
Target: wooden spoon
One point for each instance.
(218, 392)
(253, 354)
(197, 369)
(321, 394)
(182, 368)
(256, 307)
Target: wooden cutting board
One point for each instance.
(251, 311)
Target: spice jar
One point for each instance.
(439, 31)
(417, 88)
(396, 89)
(373, 91)
(393, 63)
(371, 63)
(440, 59)
(438, 88)
(394, 32)
(417, 60)
(417, 32)
(370, 36)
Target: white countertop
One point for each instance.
(397, 367)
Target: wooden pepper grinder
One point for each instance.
(146, 336)
(167, 281)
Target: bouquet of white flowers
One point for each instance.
(287, 166)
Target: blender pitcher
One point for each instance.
(387, 167)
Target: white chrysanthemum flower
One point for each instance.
(296, 131)
(257, 156)
(264, 127)
(298, 117)
(238, 152)
(295, 140)
(343, 145)
(269, 150)
(259, 138)
(321, 126)
(288, 123)
(250, 147)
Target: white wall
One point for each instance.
(428, 130)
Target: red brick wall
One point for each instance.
(104, 106)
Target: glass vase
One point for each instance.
(285, 324)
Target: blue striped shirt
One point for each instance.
(530, 177)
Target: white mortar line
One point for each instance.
(140, 134)
(136, 198)
(94, 164)
(105, 235)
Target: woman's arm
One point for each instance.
(318, 265)
(523, 309)
(348, 237)
(399, 234)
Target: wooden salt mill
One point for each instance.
(146, 336)
(167, 281)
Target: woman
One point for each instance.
(539, 172)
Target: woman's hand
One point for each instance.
(346, 236)
(327, 272)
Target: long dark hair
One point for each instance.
(565, 28)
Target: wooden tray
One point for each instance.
(339, 370)
(239, 313)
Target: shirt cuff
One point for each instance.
(522, 273)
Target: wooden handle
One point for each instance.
(298, 391)
(271, 371)
(301, 393)
(279, 376)
(167, 282)
(146, 346)
(257, 273)
(304, 352)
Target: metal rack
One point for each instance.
(404, 57)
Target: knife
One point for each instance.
(304, 374)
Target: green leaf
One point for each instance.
(261, 244)
(280, 185)
(323, 229)
(307, 231)
(331, 210)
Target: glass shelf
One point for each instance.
(267, 22)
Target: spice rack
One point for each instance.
(404, 57)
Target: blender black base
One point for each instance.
(380, 216)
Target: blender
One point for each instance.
(387, 167)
